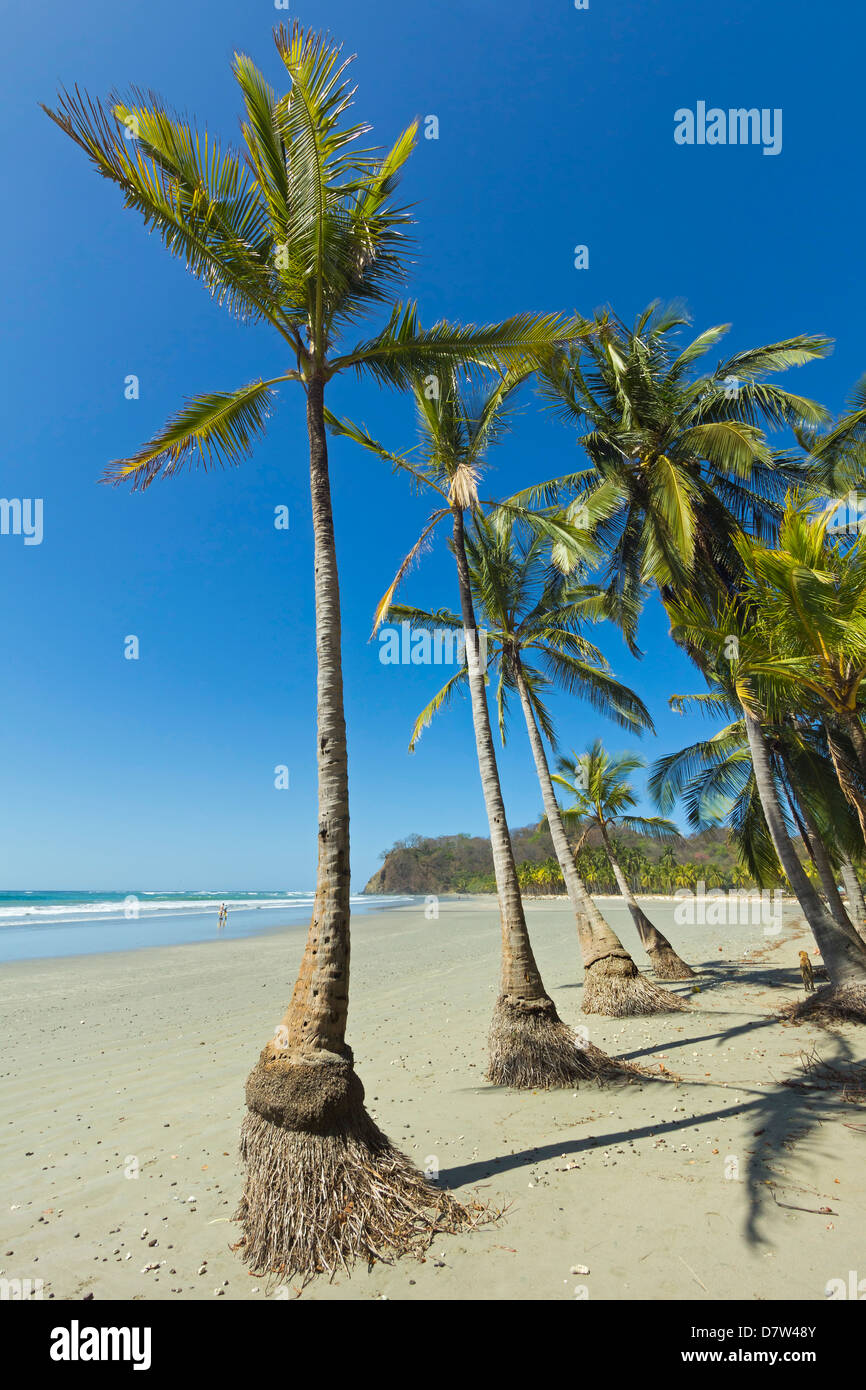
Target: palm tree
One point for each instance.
(734, 652)
(854, 893)
(837, 453)
(812, 594)
(526, 874)
(716, 780)
(683, 454)
(602, 797)
(837, 458)
(528, 1044)
(819, 811)
(667, 867)
(298, 232)
(813, 599)
(533, 615)
(551, 876)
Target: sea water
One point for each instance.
(38, 925)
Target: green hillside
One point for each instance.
(464, 863)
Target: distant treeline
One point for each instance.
(464, 864)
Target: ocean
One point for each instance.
(40, 925)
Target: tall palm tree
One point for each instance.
(813, 598)
(716, 780)
(734, 652)
(298, 231)
(528, 1044)
(838, 469)
(818, 810)
(602, 798)
(684, 451)
(533, 616)
(812, 594)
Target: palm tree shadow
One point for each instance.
(723, 1035)
(782, 1116)
(475, 1172)
(712, 977)
(788, 1115)
(759, 976)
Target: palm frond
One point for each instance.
(402, 352)
(211, 430)
(386, 601)
(655, 827)
(774, 357)
(439, 701)
(194, 195)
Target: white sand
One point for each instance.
(144, 1055)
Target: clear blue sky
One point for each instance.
(556, 128)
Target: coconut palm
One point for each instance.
(525, 875)
(602, 798)
(299, 232)
(666, 869)
(856, 902)
(528, 1043)
(716, 780)
(684, 451)
(550, 876)
(533, 617)
(819, 811)
(735, 656)
(837, 453)
(812, 593)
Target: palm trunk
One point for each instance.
(844, 957)
(854, 894)
(665, 961)
(323, 1183)
(808, 828)
(613, 984)
(845, 779)
(316, 1017)
(858, 741)
(528, 1044)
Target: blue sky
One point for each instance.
(555, 129)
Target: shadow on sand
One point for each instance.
(781, 1115)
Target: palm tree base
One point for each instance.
(837, 1003)
(324, 1186)
(614, 986)
(667, 965)
(530, 1048)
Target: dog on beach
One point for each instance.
(806, 972)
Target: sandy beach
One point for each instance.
(710, 1187)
